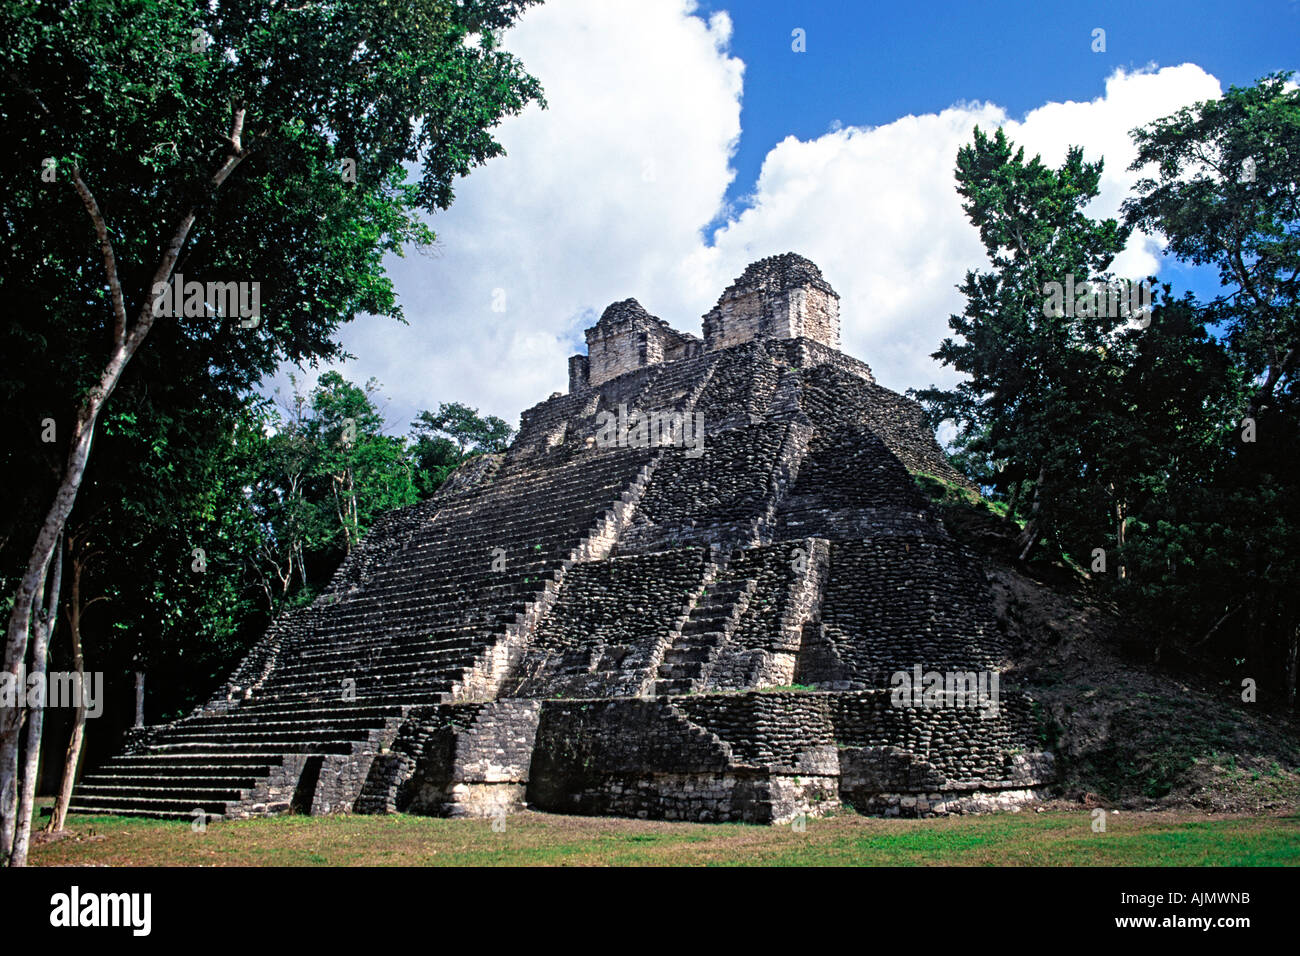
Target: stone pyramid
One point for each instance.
(702, 585)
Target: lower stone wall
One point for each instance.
(779, 731)
(645, 758)
(456, 760)
(740, 796)
(959, 747)
(939, 804)
(769, 757)
(753, 758)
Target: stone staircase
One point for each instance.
(419, 616)
(687, 663)
(235, 764)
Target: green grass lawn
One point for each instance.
(1050, 838)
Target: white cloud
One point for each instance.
(877, 209)
(605, 195)
(600, 197)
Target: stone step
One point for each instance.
(374, 657)
(393, 695)
(258, 709)
(342, 715)
(177, 762)
(261, 735)
(702, 653)
(147, 805)
(169, 781)
(103, 811)
(405, 682)
(199, 795)
(672, 687)
(704, 625)
(269, 727)
(689, 670)
(260, 747)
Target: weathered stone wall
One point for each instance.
(785, 602)
(605, 635)
(579, 373)
(716, 498)
(926, 604)
(804, 353)
(767, 757)
(780, 731)
(781, 297)
(836, 398)
(907, 761)
(647, 759)
(740, 389)
(470, 759)
(816, 316)
(626, 338)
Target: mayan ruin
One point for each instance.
(608, 620)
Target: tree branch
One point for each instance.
(173, 249)
(106, 250)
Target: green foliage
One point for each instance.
(350, 121)
(1214, 553)
(327, 471)
(1226, 192)
(1024, 411)
(444, 439)
(1131, 438)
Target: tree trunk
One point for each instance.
(72, 758)
(1029, 536)
(139, 698)
(29, 588)
(36, 718)
(1292, 665)
(1121, 535)
(1013, 502)
(125, 344)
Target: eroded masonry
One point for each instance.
(634, 627)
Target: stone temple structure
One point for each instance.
(694, 588)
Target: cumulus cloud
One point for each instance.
(877, 209)
(608, 192)
(600, 197)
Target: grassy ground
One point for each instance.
(1060, 838)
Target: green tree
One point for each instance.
(366, 471)
(444, 439)
(168, 488)
(1025, 408)
(250, 141)
(1226, 192)
(1217, 550)
(326, 471)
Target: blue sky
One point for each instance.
(870, 63)
(684, 140)
(867, 64)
